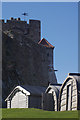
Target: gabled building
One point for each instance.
(25, 97)
(54, 91)
(50, 98)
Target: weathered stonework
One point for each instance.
(24, 60)
(31, 30)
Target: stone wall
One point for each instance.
(31, 30)
(24, 61)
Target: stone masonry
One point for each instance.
(25, 60)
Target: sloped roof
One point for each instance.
(35, 90)
(74, 76)
(28, 90)
(45, 43)
(55, 88)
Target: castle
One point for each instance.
(26, 58)
(31, 30)
(28, 71)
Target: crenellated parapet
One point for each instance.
(12, 20)
(31, 30)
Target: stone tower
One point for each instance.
(49, 52)
(26, 59)
(31, 30)
(22, 32)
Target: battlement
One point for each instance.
(31, 30)
(12, 20)
(18, 20)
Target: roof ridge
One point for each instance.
(49, 45)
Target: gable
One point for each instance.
(45, 43)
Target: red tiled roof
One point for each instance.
(45, 43)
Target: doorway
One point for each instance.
(68, 107)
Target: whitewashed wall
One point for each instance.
(8, 104)
(55, 99)
(68, 98)
(19, 100)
